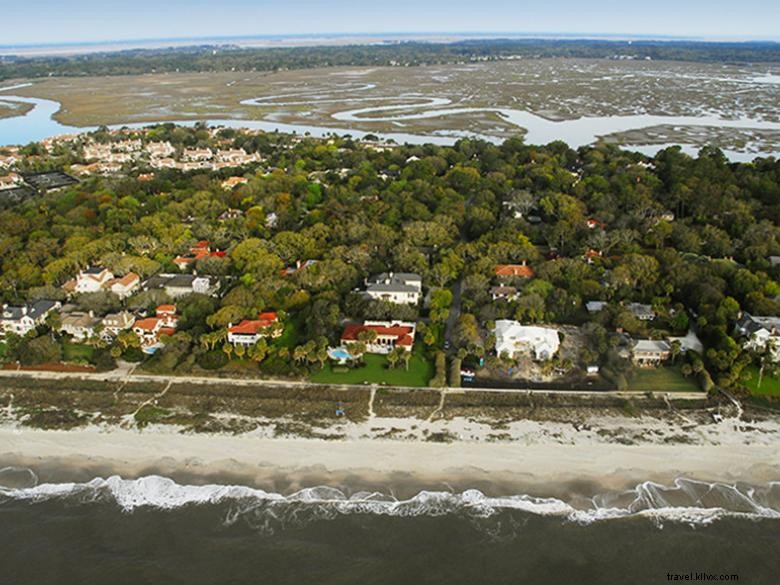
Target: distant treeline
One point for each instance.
(229, 58)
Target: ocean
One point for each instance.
(155, 530)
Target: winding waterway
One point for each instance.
(39, 122)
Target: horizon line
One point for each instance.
(422, 35)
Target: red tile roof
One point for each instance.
(402, 334)
(127, 280)
(197, 252)
(149, 324)
(166, 309)
(518, 270)
(252, 326)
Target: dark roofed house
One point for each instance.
(760, 333)
(399, 288)
(508, 293)
(641, 311)
(23, 319)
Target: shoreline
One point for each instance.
(390, 466)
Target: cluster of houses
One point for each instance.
(542, 343)
(110, 157)
(83, 326)
(199, 251)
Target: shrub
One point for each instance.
(212, 360)
(133, 354)
(440, 377)
(455, 372)
(103, 360)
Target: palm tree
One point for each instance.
(299, 354)
(258, 351)
(768, 355)
(322, 355)
(392, 358)
(368, 336)
(240, 350)
(228, 349)
(357, 349)
(405, 357)
(675, 348)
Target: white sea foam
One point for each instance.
(688, 501)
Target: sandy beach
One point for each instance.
(290, 464)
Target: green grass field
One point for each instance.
(376, 372)
(770, 385)
(289, 337)
(76, 352)
(666, 379)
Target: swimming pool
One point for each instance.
(339, 353)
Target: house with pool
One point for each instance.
(386, 335)
(250, 331)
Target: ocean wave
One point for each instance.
(686, 501)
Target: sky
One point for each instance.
(74, 21)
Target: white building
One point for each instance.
(93, 279)
(513, 338)
(160, 149)
(760, 333)
(197, 154)
(125, 286)
(399, 288)
(178, 285)
(22, 320)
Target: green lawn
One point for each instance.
(376, 371)
(770, 385)
(76, 352)
(289, 336)
(663, 379)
